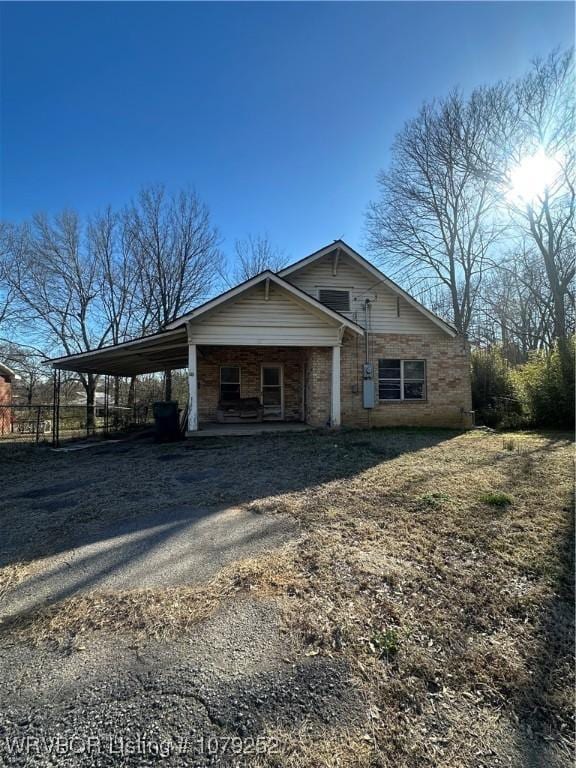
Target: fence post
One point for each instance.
(38, 425)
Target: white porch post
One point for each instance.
(192, 388)
(335, 396)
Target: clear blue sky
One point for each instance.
(279, 114)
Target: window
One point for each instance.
(230, 382)
(401, 379)
(337, 300)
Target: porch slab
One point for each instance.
(216, 429)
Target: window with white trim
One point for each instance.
(230, 382)
(401, 379)
(335, 299)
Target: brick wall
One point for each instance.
(447, 380)
(318, 385)
(250, 359)
(5, 399)
(307, 377)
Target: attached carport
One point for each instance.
(167, 350)
(159, 352)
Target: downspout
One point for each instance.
(367, 368)
(366, 328)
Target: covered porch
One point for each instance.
(262, 387)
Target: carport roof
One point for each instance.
(160, 351)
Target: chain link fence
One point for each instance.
(45, 423)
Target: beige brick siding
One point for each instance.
(250, 359)
(318, 385)
(307, 380)
(447, 380)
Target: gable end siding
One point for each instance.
(254, 320)
(389, 313)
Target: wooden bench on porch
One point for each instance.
(243, 409)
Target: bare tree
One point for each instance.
(175, 249)
(54, 278)
(29, 363)
(532, 158)
(74, 286)
(435, 223)
(516, 311)
(253, 255)
(116, 276)
(7, 304)
(546, 129)
(121, 301)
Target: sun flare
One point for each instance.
(532, 176)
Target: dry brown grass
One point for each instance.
(455, 614)
(305, 748)
(11, 575)
(476, 598)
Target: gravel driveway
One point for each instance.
(135, 515)
(194, 700)
(124, 516)
(183, 544)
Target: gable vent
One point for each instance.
(339, 301)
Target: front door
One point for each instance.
(272, 386)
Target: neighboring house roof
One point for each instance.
(5, 371)
(233, 293)
(80, 398)
(380, 276)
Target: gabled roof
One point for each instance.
(169, 347)
(380, 276)
(300, 295)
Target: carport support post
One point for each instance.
(192, 388)
(335, 394)
(56, 410)
(106, 398)
(54, 444)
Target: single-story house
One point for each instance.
(102, 402)
(328, 341)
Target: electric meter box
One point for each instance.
(368, 393)
(367, 370)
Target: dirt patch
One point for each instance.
(53, 490)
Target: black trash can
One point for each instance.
(166, 421)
